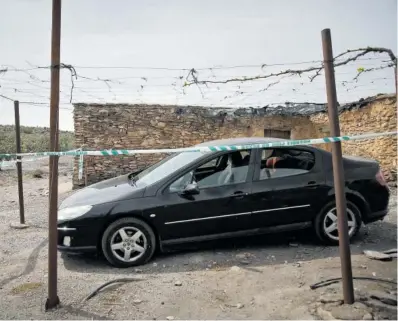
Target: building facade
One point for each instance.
(124, 126)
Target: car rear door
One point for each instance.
(287, 195)
(217, 209)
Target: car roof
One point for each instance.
(241, 141)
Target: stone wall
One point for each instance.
(116, 126)
(373, 116)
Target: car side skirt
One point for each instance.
(258, 231)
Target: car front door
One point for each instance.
(224, 184)
(288, 186)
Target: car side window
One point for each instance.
(231, 168)
(285, 162)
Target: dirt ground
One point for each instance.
(265, 277)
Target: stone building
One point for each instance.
(117, 126)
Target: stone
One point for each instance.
(170, 317)
(244, 262)
(375, 255)
(367, 316)
(137, 301)
(293, 244)
(235, 268)
(349, 312)
(19, 226)
(178, 283)
(330, 298)
(324, 314)
(239, 306)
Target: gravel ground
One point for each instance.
(251, 278)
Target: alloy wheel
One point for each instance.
(330, 223)
(128, 244)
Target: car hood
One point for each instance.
(111, 190)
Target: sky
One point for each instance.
(130, 51)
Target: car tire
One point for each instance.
(130, 235)
(326, 221)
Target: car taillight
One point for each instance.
(380, 178)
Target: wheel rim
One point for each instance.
(330, 223)
(128, 244)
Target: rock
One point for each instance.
(155, 264)
(137, 270)
(235, 268)
(137, 301)
(367, 316)
(293, 244)
(170, 317)
(330, 298)
(240, 305)
(324, 314)
(244, 262)
(37, 173)
(178, 283)
(18, 226)
(375, 255)
(354, 311)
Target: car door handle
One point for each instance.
(239, 194)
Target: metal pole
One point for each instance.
(338, 170)
(19, 164)
(53, 300)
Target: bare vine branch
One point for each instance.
(192, 77)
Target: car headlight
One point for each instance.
(69, 213)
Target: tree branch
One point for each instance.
(192, 77)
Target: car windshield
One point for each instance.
(164, 168)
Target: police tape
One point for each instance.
(277, 143)
(12, 163)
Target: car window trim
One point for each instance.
(164, 189)
(257, 165)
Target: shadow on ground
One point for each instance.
(247, 252)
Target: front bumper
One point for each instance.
(76, 239)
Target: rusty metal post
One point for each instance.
(52, 299)
(19, 164)
(338, 170)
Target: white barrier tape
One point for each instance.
(311, 141)
(11, 163)
(14, 162)
(80, 175)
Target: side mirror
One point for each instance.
(191, 189)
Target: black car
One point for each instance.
(197, 196)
